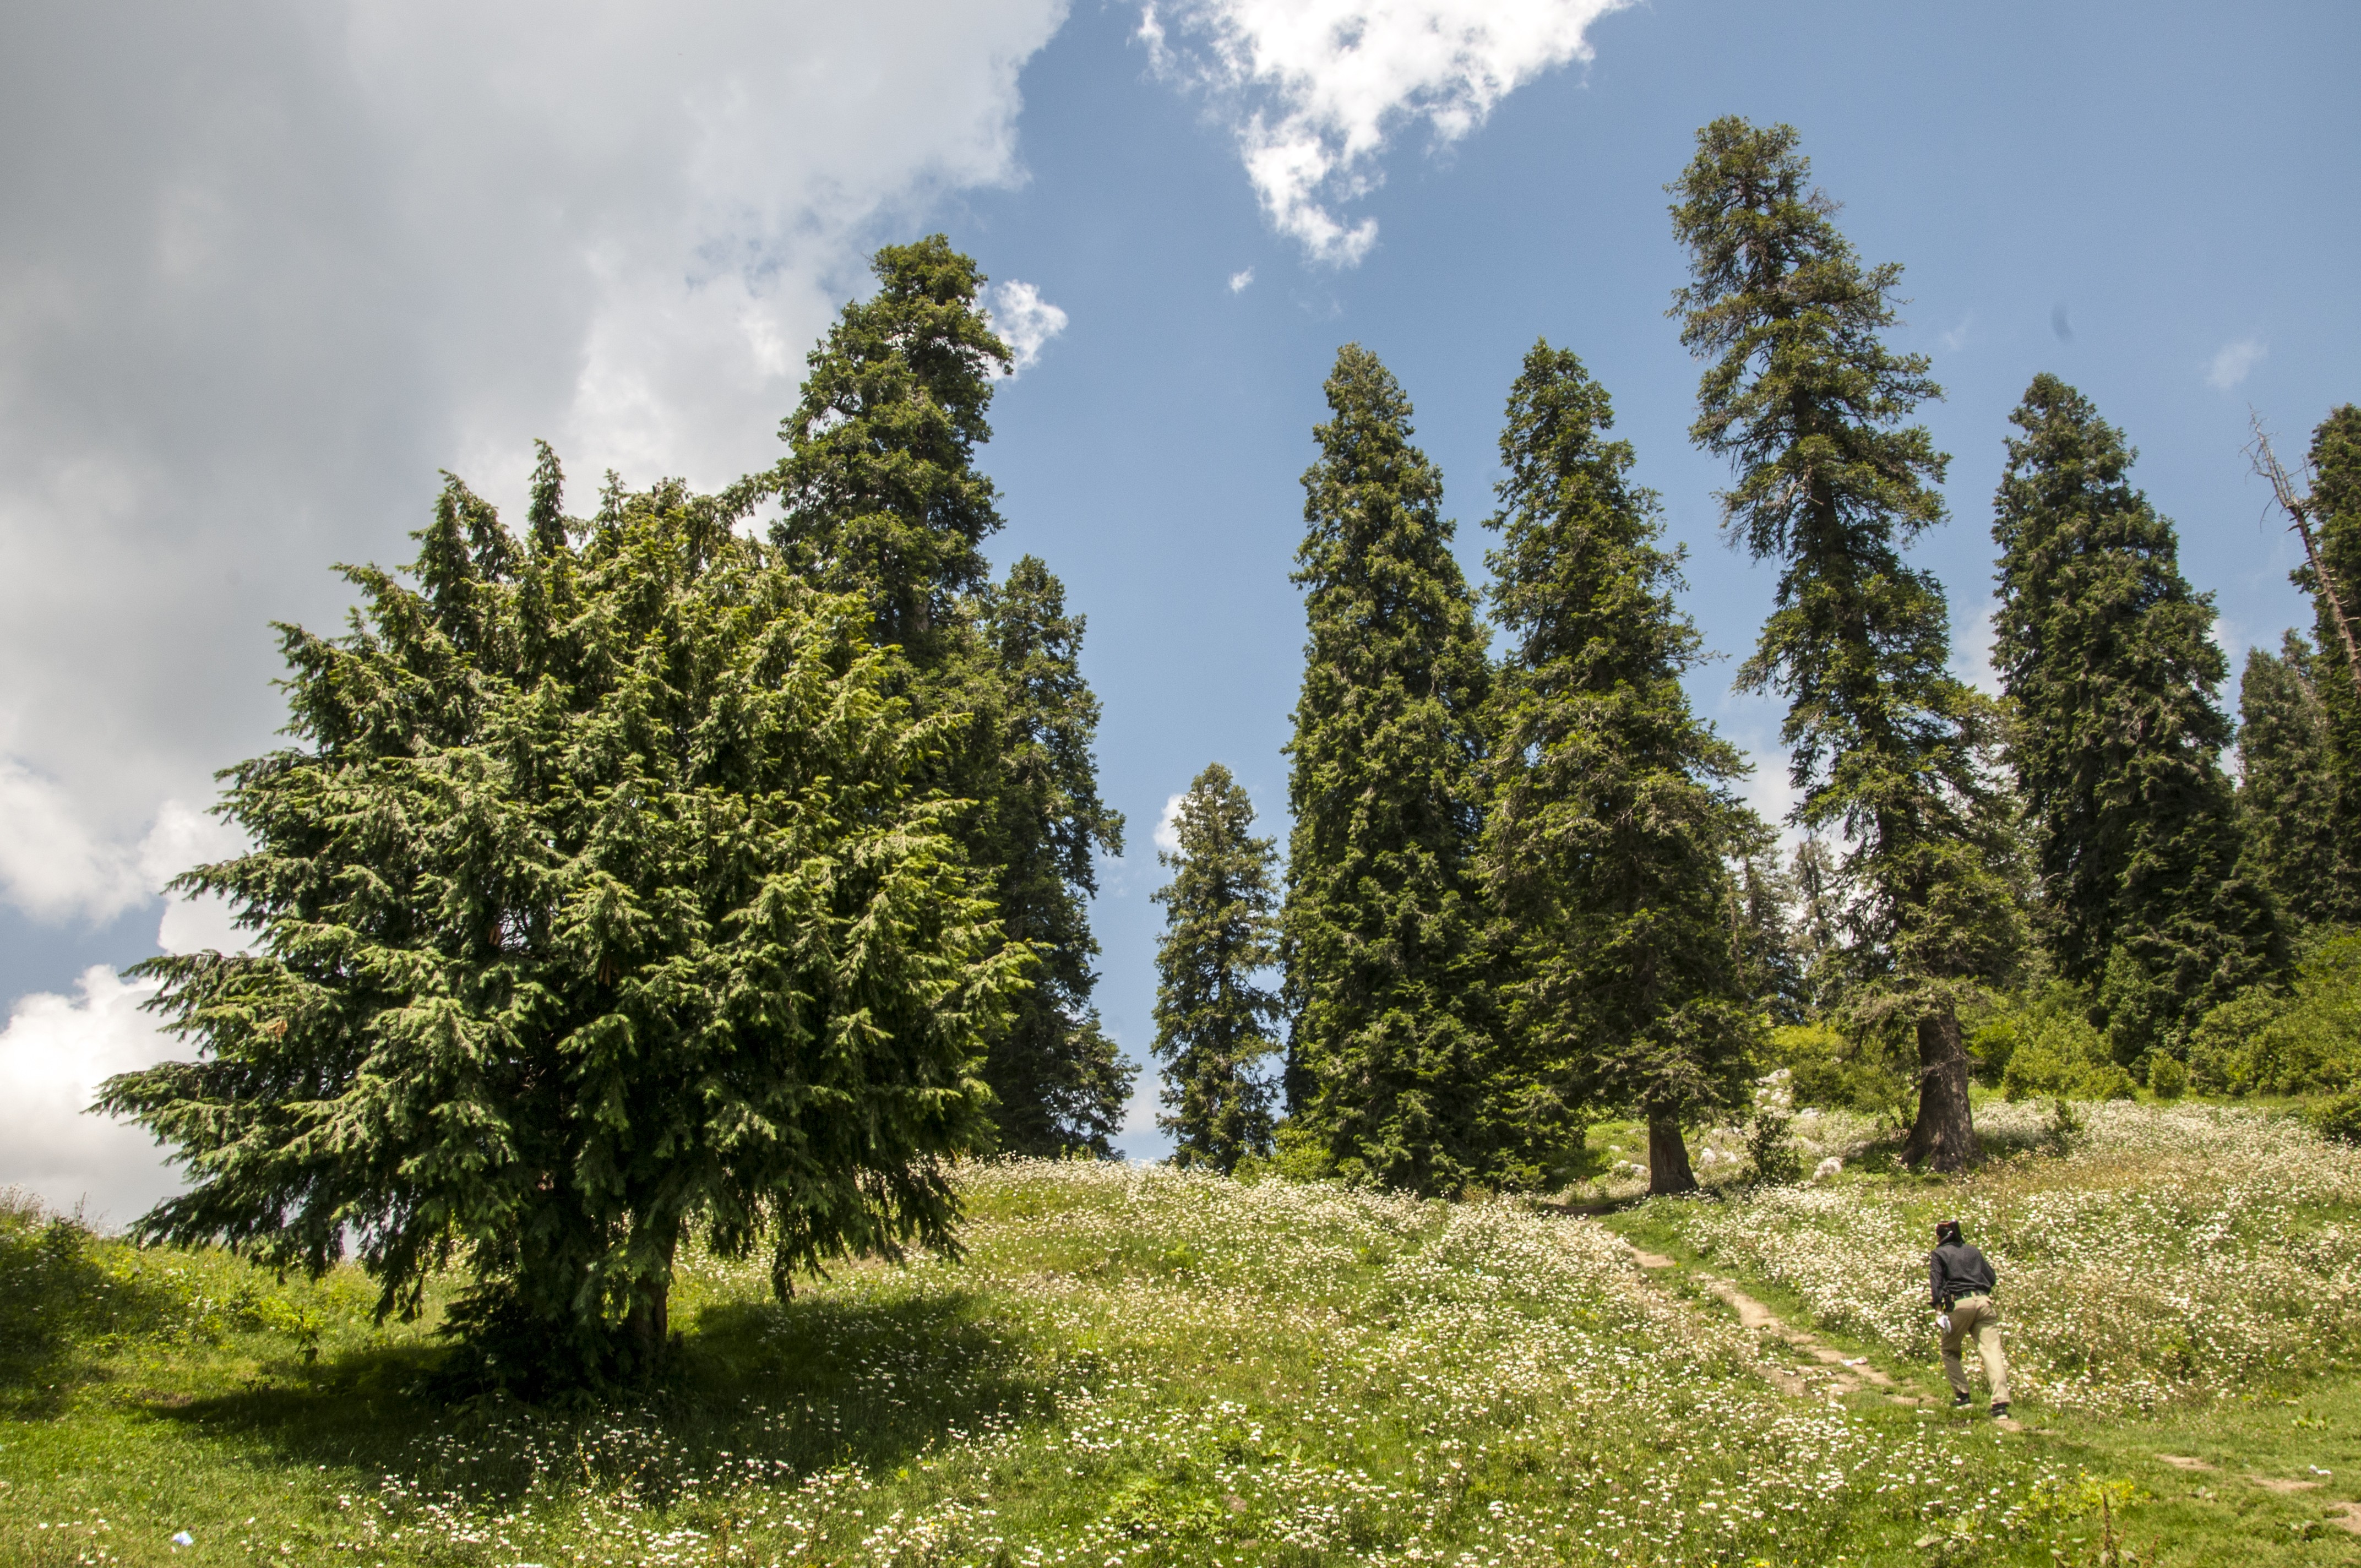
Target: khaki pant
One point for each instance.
(1976, 1315)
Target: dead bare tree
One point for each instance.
(2297, 504)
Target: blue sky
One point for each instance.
(261, 278)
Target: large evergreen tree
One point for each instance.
(2107, 656)
(1889, 747)
(881, 497)
(2288, 791)
(1382, 935)
(1058, 1081)
(1610, 815)
(2336, 527)
(599, 901)
(1215, 1023)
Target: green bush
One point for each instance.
(2045, 1038)
(1837, 1072)
(2305, 1041)
(2338, 1117)
(2167, 1078)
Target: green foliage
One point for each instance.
(2051, 1049)
(881, 493)
(1214, 1024)
(1058, 1081)
(1611, 814)
(2337, 520)
(597, 901)
(2109, 662)
(2338, 1117)
(1381, 934)
(881, 497)
(2304, 1040)
(1890, 749)
(2286, 789)
(1835, 1070)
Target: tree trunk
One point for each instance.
(1668, 1155)
(1944, 1135)
(649, 1324)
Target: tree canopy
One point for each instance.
(598, 901)
(1382, 928)
(1889, 747)
(1610, 814)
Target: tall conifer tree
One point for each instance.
(1889, 747)
(2336, 524)
(882, 498)
(1060, 1083)
(2107, 654)
(1382, 932)
(2288, 787)
(1216, 1024)
(1611, 813)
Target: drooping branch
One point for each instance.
(2298, 506)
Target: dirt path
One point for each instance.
(1829, 1373)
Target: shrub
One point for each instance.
(2052, 1049)
(2306, 1041)
(2338, 1117)
(2167, 1078)
(1837, 1071)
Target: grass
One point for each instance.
(1143, 1367)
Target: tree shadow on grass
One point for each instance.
(754, 1389)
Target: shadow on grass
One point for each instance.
(753, 1388)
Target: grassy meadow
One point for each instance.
(1134, 1366)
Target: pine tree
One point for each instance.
(2107, 656)
(1214, 1024)
(2336, 521)
(599, 902)
(1771, 959)
(2288, 795)
(1889, 747)
(880, 490)
(1058, 1081)
(1610, 809)
(882, 498)
(1381, 933)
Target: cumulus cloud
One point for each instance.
(54, 1053)
(1027, 321)
(1315, 89)
(1167, 824)
(2235, 362)
(272, 267)
(1240, 279)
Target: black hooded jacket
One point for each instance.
(1955, 1269)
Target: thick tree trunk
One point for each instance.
(1944, 1135)
(649, 1324)
(1668, 1155)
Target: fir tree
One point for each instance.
(1772, 959)
(1214, 1024)
(2106, 654)
(2288, 791)
(1611, 809)
(2336, 521)
(880, 490)
(1059, 1082)
(599, 902)
(1381, 937)
(882, 498)
(1889, 747)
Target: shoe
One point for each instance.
(1961, 1401)
(1999, 1410)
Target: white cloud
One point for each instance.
(1240, 279)
(1316, 90)
(54, 1053)
(1957, 338)
(1972, 655)
(2235, 362)
(1167, 824)
(272, 270)
(1027, 321)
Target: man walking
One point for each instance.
(1961, 1280)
